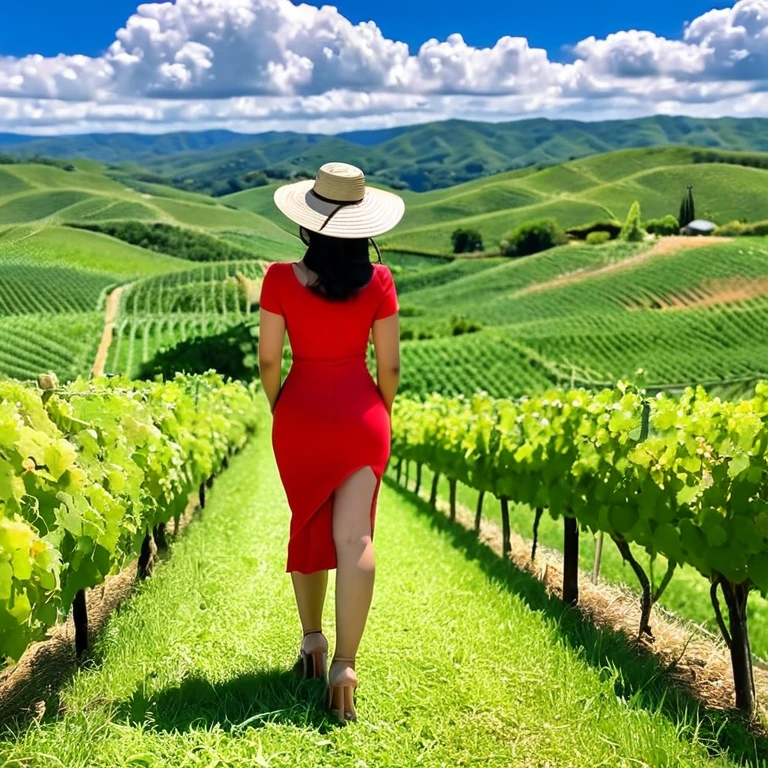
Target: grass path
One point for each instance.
(465, 662)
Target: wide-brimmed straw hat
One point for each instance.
(339, 204)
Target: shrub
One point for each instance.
(632, 231)
(597, 238)
(467, 241)
(738, 228)
(532, 237)
(584, 230)
(233, 353)
(461, 325)
(669, 225)
(165, 238)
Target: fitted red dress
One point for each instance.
(330, 419)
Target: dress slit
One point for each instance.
(311, 547)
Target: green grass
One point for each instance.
(464, 662)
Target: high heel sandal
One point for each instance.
(311, 664)
(341, 690)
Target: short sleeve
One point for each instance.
(270, 299)
(388, 304)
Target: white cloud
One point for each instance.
(264, 64)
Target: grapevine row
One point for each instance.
(88, 471)
(684, 478)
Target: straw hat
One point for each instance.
(338, 203)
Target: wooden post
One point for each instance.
(201, 495)
(144, 566)
(418, 479)
(570, 560)
(452, 497)
(479, 511)
(741, 657)
(407, 473)
(506, 533)
(536, 521)
(433, 492)
(399, 468)
(80, 618)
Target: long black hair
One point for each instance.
(343, 266)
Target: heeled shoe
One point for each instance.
(313, 660)
(341, 689)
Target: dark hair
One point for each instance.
(343, 266)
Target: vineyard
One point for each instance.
(591, 314)
(684, 479)
(508, 394)
(92, 469)
(157, 313)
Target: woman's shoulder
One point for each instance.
(382, 273)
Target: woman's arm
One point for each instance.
(271, 338)
(386, 344)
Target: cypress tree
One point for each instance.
(632, 229)
(687, 208)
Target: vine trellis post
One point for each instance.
(570, 560)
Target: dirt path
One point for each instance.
(113, 305)
(665, 247)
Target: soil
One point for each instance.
(110, 316)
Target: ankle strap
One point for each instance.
(338, 658)
(313, 632)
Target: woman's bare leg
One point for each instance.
(310, 598)
(355, 559)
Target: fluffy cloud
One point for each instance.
(262, 64)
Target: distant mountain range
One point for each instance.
(420, 158)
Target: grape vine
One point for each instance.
(691, 484)
(88, 470)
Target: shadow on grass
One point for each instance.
(639, 679)
(248, 701)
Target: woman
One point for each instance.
(331, 428)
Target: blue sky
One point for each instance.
(263, 65)
(50, 27)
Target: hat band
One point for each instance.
(335, 202)
(338, 203)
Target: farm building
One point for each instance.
(699, 227)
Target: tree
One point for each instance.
(687, 208)
(532, 237)
(632, 231)
(669, 225)
(466, 241)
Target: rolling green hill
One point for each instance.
(599, 187)
(421, 157)
(47, 196)
(54, 278)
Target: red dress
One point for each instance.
(330, 419)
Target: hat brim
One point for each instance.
(375, 214)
